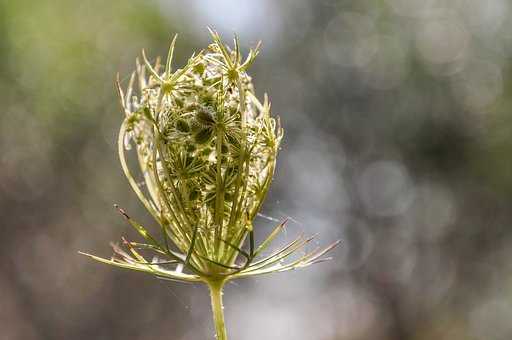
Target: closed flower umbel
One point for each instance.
(206, 149)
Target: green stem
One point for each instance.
(217, 308)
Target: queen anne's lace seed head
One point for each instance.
(206, 149)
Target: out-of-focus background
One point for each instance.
(398, 142)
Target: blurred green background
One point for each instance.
(398, 141)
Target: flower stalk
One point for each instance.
(206, 149)
(216, 293)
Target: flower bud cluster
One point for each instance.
(206, 148)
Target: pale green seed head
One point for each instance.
(206, 149)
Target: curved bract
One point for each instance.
(206, 150)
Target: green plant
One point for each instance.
(207, 149)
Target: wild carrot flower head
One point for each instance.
(206, 149)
